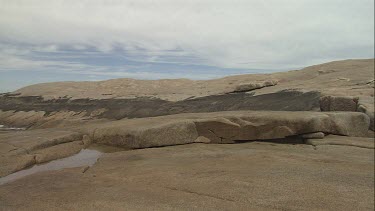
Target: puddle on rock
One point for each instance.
(4, 129)
(106, 148)
(86, 157)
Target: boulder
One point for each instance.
(334, 103)
(226, 127)
(22, 149)
(364, 109)
(57, 152)
(202, 139)
(245, 87)
(12, 164)
(144, 133)
(219, 130)
(348, 124)
(317, 135)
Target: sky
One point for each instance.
(71, 40)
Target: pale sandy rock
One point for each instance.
(362, 142)
(6, 148)
(317, 135)
(57, 151)
(218, 130)
(39, 119)
(21, 118)
(98, 112)
(86, 140)
(348, 124)
(246, 87)
(22, 149)
(368, 109)
(225, 127)
(38, 139)
(11, 164)
(142, 133)
(321, 77)
(248, 176)
(208, 176)
(202, 139)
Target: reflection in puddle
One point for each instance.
(86, 157)
(5, 128)
(106, 148)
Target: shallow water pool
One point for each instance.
(86, 157)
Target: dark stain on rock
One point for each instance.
(287, 100)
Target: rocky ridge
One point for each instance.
(326, 108)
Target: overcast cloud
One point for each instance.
(100, 39)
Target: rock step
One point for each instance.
(344, 141)
(225, 127)
(22, 149)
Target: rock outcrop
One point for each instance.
(37, 113)
(22, 149)
(361, 142)
(344, 85)
(332, 103)
(248, 176)
(316, 135)
(323, 78)
(37, 146)
(226, 127)
(246, 87)
(249, 142)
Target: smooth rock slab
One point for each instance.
(248, 176)
(317, 135)
(21, 149)
(344, 141)
(225, 127)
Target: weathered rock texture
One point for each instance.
(316, 135)
(332, 103)
(323, 105)
(42, 145)
(34, 111)
(343, 141)
(248, 176)
(225, 127)
(326, 78)
(347, 86)
(246, 87)
(22, 149)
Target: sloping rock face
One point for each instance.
(19, 150)
(361, 142)
(246, 87)
(35, 112)
(225, 127)
(329, 107)
(248, 176)
(25, 148)
(336, 78)
(368, 109)
(339, 103)
(345, 86)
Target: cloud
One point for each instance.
(235, 34)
